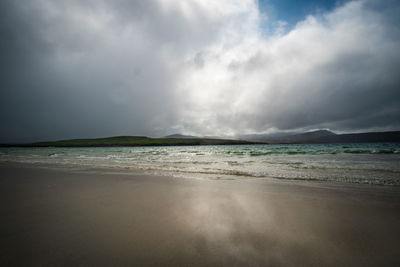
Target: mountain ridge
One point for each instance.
(177, 135)
(133, 141)
(312, 137)
(328, 137)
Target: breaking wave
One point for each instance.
(349, 163)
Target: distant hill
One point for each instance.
(180, 136)
(314, 137)
(265, 136)
(135, 141)
(303, 137)
(383, 137)
(325, 137)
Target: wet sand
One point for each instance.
(52, 217)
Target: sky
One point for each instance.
(94, 68)
(291, 12)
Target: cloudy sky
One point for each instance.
(92, 68)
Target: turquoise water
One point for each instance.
(354, 163)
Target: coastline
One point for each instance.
(359, 164)
(86, 217)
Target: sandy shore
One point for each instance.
(53, 217)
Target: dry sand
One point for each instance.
(53, 217)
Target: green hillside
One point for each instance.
(136, 141)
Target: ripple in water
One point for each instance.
(350, 163)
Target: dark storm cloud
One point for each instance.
(88, 68)
(99, 68)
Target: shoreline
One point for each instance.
(64, 217)
(76, 167)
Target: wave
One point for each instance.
(383, 182)
(321, 152)
(344, 168)
(345, 163)
(54, 155)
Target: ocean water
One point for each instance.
(376, 163)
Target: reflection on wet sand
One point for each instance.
(67, 218)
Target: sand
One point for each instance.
(56, 217)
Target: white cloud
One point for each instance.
(325, 71)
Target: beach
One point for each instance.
(106, 217)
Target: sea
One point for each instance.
(366, 163)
